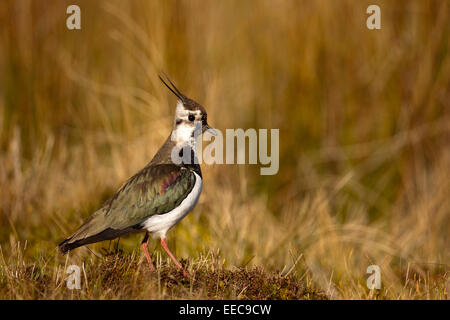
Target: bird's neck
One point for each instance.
(177, 140)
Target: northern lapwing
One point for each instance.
(158, 196)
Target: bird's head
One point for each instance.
(189, 116)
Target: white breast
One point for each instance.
(159, 224)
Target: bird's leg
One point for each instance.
(165, 247)
(147, 255)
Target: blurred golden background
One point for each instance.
(363, 115)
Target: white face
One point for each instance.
(185, 123)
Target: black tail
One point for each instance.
(66, 246)
(107, 234)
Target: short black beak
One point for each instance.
(206, 127)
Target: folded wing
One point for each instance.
(156, 189)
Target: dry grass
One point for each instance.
(364, 154)
(119, 275)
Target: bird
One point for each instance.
(158, 196)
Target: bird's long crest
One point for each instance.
(172, 88)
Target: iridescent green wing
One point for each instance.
(154, 190)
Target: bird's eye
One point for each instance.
(191, 117)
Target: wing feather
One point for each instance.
(156, 189)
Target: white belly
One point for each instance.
(159, 224)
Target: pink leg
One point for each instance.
(165, 247)
(147, 255)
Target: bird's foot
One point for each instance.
(151, 266)
(186, 274)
